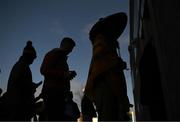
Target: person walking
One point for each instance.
(106, 84)
(57, 78)
(21, 88)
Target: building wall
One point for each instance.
(162, 27)
(134, 50)
(166, 24)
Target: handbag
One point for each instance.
(71, 110)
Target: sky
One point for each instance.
(45, 23)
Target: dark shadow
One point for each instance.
(151, 94)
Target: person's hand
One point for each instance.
(73, 73)
(70, 75)
(124, 65)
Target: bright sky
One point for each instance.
(46, 22)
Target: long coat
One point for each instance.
(106, 84)
(20, 90)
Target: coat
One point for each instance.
(20, 91)
(20, 87)
(53, 68)
(107, 67)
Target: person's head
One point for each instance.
(29, 52)
(108, 29)
(67, 45)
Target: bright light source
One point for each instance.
(83, 89)
(94, 119)
(132, 114)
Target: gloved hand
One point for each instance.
(73, 73)
(70, 75)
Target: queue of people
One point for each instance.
(105, 94)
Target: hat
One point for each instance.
(29, 49)
(111, 26)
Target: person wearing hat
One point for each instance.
(106, 85)
(20, 88)
(57, 78)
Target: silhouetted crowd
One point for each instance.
(105, 94)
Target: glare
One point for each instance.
(94, 119)
(133, 116)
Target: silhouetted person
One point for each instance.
(3, 107)
(0, 92)
(87, 109)
(106, 85)
(57, 79)
(21, 89)
(71, 112)
(3, 111)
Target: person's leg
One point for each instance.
(55, 107)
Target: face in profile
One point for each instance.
(67, 47)
(100, 41)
